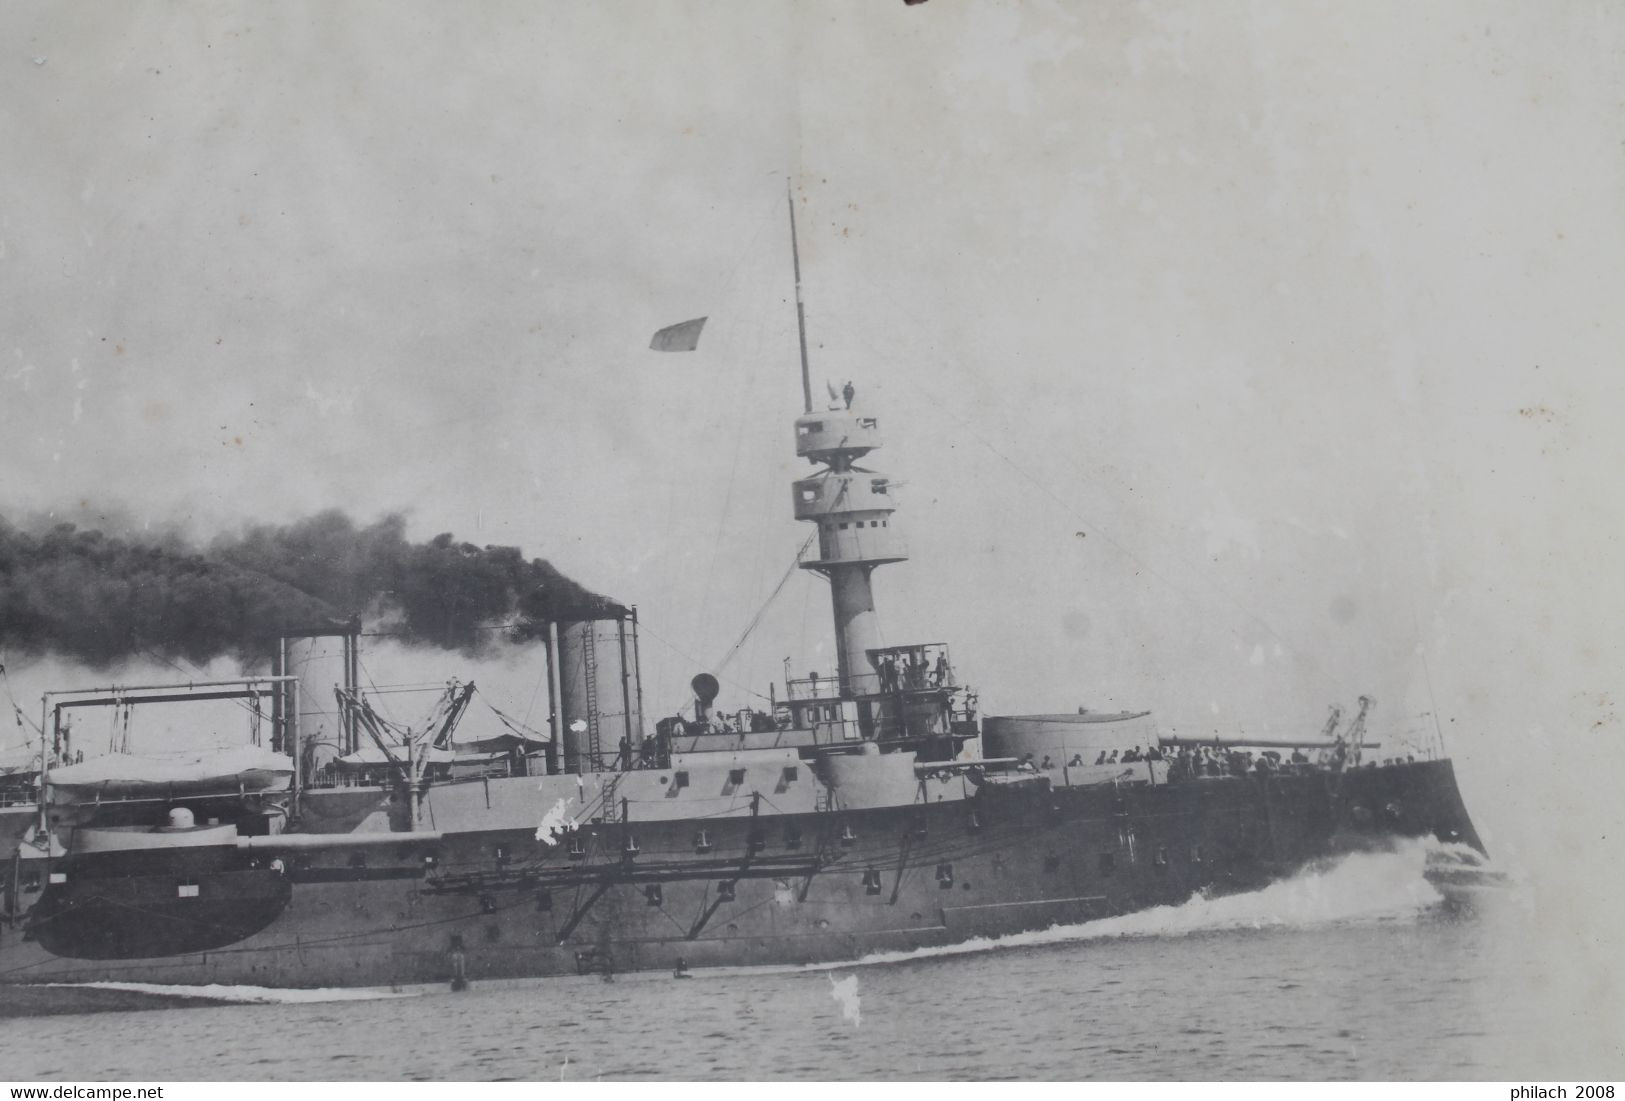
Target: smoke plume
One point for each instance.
(103, 598)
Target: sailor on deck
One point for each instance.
(888, 674)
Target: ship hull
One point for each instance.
(753, 890)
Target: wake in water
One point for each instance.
(1359, 887)
(1402, 883)
(252, 995)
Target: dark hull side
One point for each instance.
(767, 890)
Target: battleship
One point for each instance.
(870, 809)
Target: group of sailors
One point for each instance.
(1192, 762)
(1129, 756)
(1197, 761)
(913, 671)
(653, 752)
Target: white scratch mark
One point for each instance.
(555, 823)
(845, 993)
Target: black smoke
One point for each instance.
(102, 598)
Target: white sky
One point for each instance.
(1305, 316)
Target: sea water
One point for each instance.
(1356, 969)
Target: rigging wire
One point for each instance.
(541, 676)
(22, 718)
(740, 419)
(195, 672)
(756, 619)
(1304, 653)
(806, 607)
(1427, 676)
(368, 674)
(747, 339)
(692, 660)
(518, 727)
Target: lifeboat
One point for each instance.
(240, 770)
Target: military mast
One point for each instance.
(852, 509)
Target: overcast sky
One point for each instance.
(1237, 358)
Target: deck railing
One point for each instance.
(869, 684)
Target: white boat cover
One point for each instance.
(249, 768)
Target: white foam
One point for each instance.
(251, 994)
(1359, 887)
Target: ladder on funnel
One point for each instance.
(589, 663)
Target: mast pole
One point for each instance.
(291, 743)
(44, 772)
(801, 313)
